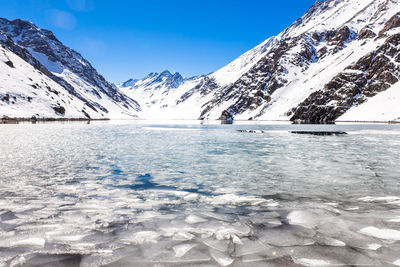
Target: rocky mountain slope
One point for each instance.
(43, 78)
(339, 61)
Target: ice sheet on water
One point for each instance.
(181, 250)
(374, 246)
(32, 241)
(303, 218)
(250, 247)
(142, 237)
(388, 234)
(193, 219)
(328, 241)
(392, 200)
(96, 212)
(312, 262)
(286, 237)
(221, 258)
(220, 245)
(233, 199)
(396, 219)
(191, 197)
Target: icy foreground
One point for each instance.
(165, 195)
(339, 61)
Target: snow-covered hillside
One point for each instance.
(43, 78)
(339, 56)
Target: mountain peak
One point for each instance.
(165, 73)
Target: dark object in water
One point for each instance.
(251, 131)
(323, 133)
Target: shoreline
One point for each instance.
(16, 120)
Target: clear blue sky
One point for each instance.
(125, 39)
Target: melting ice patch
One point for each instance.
(388, 234)
(303, 218)
(181, 250)
(143, 237)
(312, 262)
(232, 199)
(193, 219)
(388, 199)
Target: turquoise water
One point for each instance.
(183, 193)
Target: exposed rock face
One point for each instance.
(340, 36)
(304, 51)
(41, 49)
(370, 75)
(205, 86)
(394, 22)
(366, 33)
(256, 86)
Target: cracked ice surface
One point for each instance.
(124, 194)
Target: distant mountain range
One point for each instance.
(339, 62)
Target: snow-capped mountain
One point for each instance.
(41, 77)
(158, 92)
(339, 61)
(152, 89)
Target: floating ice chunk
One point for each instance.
(332, 204)
(388, 234)
(193, 219)
(312, 262)
(396, 262)
(68, 238)
(19, 261)
(192, 197)
(220, 245)
(83, 246)
(389, 199)
(219, 217)
(222, 258)
(4, 234)
(224, 190)
(32, 241)
(250, 247)
(303, 218)
(331, 242)
(231, 231)
(275, 222)
(286, 237)
(236, 240)
(397, 219)
(143, 237)
(371, 199)
(232, 199)
(352, 208)
(181, 250)
(373, 246)
(182, 236)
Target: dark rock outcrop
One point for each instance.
(366, 33)
(392, 23)
(373, 73)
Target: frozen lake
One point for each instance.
(143, 194)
